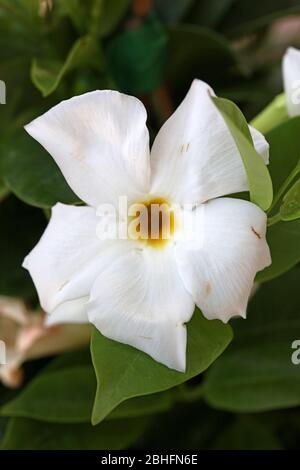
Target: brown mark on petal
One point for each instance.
(208, 288)
(256, 233)
(184, 148)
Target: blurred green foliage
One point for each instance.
(51, 50)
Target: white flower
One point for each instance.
(26, 336)
(142, 293)
(291, 80)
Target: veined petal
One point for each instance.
(66, 252)
(140, 300)
(291, 79)
(194, 157)
(219, 265)
(100, 142)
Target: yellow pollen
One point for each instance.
(154, 222)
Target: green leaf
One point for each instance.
(64, 392)
(134, 71)
(284, 237)
(31, 173)
(25, 434)
(259, 180)
(47, 74)
(57, 396)
(112, 12)
(145, 405)
(21, 227)
(132, 373)
(284, 242)
(197, 52)
(256, 373)
(290, 209)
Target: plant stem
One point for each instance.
(285, 186)
(273, 115)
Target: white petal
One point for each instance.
(218, 266)
(291, 79)
(62, 264)
(70, 311)
(100, 142)
(194, 157)
(140, 300)
(260, 144)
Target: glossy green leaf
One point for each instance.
(259, 180)
(283, 237)
(58, 396)
(284, 242)
(256, 373)
(145, 405)
(31, 173)
(132, 373)
(64, 392)
(47, 74)
(290, 208)
(26, 434)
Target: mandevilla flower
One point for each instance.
(26, 336)
(142, 291)
(291, 80)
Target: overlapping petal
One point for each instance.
(140, 300)
(194, 157)
(219, 264)
(65, 262)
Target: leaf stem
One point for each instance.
(285, 186)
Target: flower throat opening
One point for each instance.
(153, 222)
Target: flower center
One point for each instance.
(153, 221)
